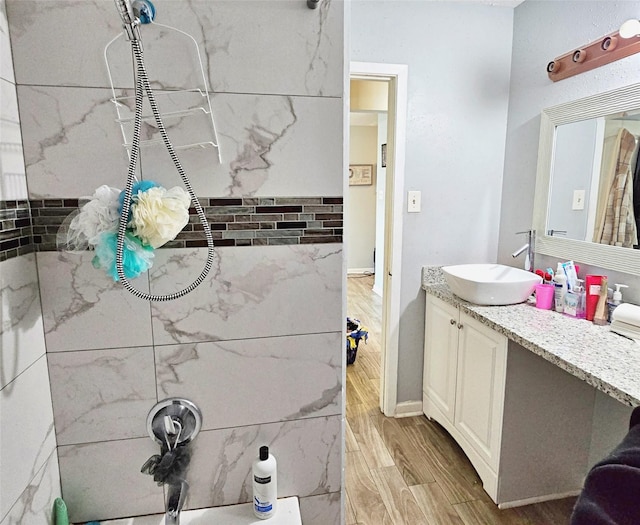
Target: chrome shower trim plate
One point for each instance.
(183, 410)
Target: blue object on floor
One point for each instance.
(355, 332)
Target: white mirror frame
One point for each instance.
(614, 258)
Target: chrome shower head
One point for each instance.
(130, 22)
(133, 14)
(126, 11)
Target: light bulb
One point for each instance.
(630, 28)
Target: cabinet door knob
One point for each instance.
(452, 321)
(460, 326)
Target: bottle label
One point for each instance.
(262, 481)
(262, 506)
(594, 289)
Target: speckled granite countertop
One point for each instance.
(605, 360)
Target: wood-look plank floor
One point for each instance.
(409, 471)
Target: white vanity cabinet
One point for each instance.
(530, 429)
(440, 357)
(464, 383)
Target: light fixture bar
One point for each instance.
(603, 51)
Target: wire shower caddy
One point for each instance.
(199, 92)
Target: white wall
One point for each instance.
(537, 40)
(458, 91)
(360, 206)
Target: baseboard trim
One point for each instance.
(358, 271)
(408, 409)
(539, 499)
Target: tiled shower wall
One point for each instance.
(259, 345)
(29, 478)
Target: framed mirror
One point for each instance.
(584, 145)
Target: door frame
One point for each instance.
(397, 74)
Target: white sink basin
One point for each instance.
(490, 284)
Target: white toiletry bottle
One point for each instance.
(616, 299)
(560, 285)
(265, 484)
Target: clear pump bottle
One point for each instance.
(581, 309)
(616, 299)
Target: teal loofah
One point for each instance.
(60, 512)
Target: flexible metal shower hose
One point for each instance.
(142, 85)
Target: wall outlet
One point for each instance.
(413, 205)
(578, 200)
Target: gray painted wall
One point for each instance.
(456, 124)
(532, 91)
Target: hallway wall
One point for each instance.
(360, 207)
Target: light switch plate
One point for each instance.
(578, 200)
(413, 205)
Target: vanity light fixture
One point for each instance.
(630, 28)
(609, 48)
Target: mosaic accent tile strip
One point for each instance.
(15, 229)
(249, 221)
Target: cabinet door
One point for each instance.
(482, 356)
(441, 344)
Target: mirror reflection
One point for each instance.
(595, 181)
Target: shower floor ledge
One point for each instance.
(287, 513)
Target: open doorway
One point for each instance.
(385, 251)
(365, 202)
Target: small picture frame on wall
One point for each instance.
(360, 174)
(383, 156)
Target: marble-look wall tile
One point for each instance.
(231, 36)
(308, 453)
(84, 309)
(301, 376)
(6, 60)
(264, 145)
(34, 507)
(277, 290)
(28, 439)
(101, 394)
(274, 145)
(13, 181)
(69, 53)
(325, 509)
(103, 480)
(72, 144)
(21, 332)
(308, 43)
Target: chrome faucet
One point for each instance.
(173, 423)
(176, 496)
(529, 248)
